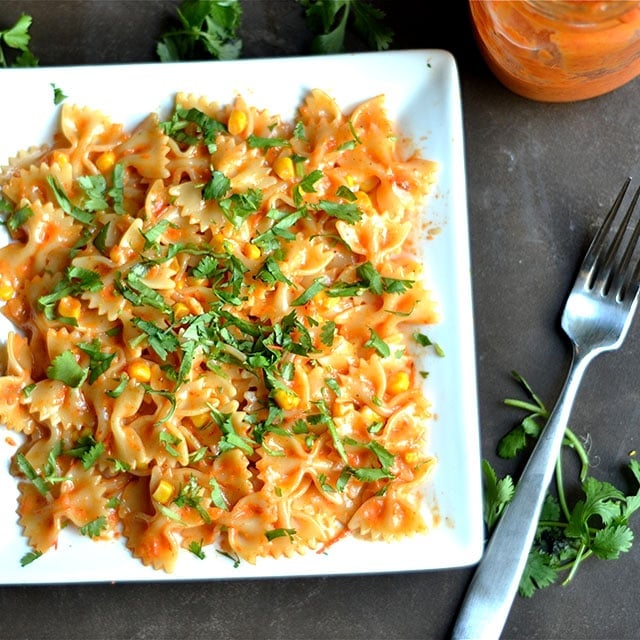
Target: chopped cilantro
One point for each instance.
(196, 548)
(94, 528)
(378, 344)
(81, 215)
(272, 534)
(192, 127)
(29, 557)
(65, 368)
(99, 361)
(217, 187)
(58, 94)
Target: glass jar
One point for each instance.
(559, 50)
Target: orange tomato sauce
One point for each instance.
(559, 50)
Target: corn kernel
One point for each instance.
(237, 122)
(69, 307)
(369, 415)
(411, 457)
(341, 409)
(163, 492)
(350, 180)
(325, 300)
(286, 399)
(6, 291)
(218, 242)
(283, 166)
(200, 420)
(362, 199)
(60, 158)
(139, 370)
(398, 382)
(117, 255)
(180, 310)
(106, 161)
(251, 251)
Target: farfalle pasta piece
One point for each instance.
(14, 408)
(145, 150)
(78, 500)
(86, 133)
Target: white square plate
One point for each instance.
(423, 97)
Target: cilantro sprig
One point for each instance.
(206, 29)
(597, 524)
(17, 39)
(331, 21)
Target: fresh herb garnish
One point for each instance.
(207, 29)
(65, 368)
(18, 38)
(94, 528)
(58, 94)
(567, 534)
(330, 22)
(29, 557)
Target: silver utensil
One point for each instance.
(596, 318)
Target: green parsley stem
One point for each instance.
(583, 554)
(574, 442)
(562, 498)
(525, 406)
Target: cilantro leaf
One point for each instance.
(217, 187)
(75, 281)
(327, 333)
(29, 557)
(192, 126)
(17, 37)
(58, 94)
(196, 549)
(310, 292)
(567, 534)
(600, 500)
(94, 528)
(348, 212)
(257, 142)
(239, 206)
(331, 19)
(17, 218)
(272, 534)
(378, 344)
(207, 29)
(88, 450)
(65, 368)
(610, 542)
(497, 494)
(99, 361)
(537, 575)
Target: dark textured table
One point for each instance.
(540, 177)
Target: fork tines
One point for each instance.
(603, 266)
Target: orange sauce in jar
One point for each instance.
(559, 50)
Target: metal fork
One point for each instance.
(596, 318)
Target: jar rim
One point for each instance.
(583, 12)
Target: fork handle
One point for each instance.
(495, 583)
